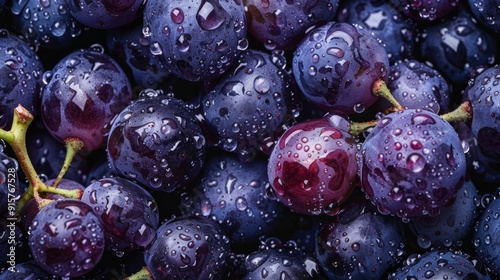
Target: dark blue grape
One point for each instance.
(189, 248)
(157, 141)
(456, 46)
(105, 14)
(281, 24)
(277, 260)
(412, 164)
(482, 91)
(46, 23)
(359, 242)
(416, 85)
(425, 10)
(20, 78)
(248, 108)
(336, 64)
(66, 238)
(441, 264)
(29, 270)
(82, 94)
(233, 193)
(487, 12)
(129, 214)
(396, 32)
(197, 40)
(131, 48)
(454, 222)
(486, 236)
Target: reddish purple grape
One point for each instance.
(83, 93)
(105, 14)
(129, 213)
(281, 24)
(425, 10)
(197, 40)
(66, 238)
(157, 141)
(359, 243)
(313, 167)
(20, 77)
(336, 64)
(412, 164)
(189, 248)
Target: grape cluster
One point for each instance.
(244, 139)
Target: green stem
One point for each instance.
(461, 113)
(357, 128)
(73, 145)
(380, 89)
(143, 274)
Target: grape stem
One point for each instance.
(16, 138)
(380, 89)
(73, 145)
(143, 274)
(356, 128)
(461, 113)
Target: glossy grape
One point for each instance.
(105, 14)
(487, 12)
(425, 10)
(129, 214)
(336, 64)
(313, 168)
(197, 40)
(25, 271)
(66, 238)
(157, 141)
(82, 94)
(412, 164)
(486, 236)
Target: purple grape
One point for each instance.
(487, 12)
(129, 214)
(277, 260)
(486, 235)
(189, 248)
(482, 91)
(66, 238)
(440, 264)
(20, 78)
(336, 64)
(456, 46)
(359, 242)
(233, 193)
(25, 271)
(417, 86)
(425, 10)
(412, 164)
(453, 224)
(397, 33)
(83, 93)
(46, 23)
(157, 141)
(248, 108)
(282, 24)
(105, 14)
(313, 168)
(197, 40)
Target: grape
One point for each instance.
(312, 168)
(247, 109)
(129, 214)
(441, 264)
(425, 10)
(105, 14)
(25, 271)
(48, 24)
(359, 242)
(336, 64)
(86, 84)
(234, 194)
(281, 25)
(196, 40)
(66, 238)
(397, 33)
(486, 235)
(487, 12)
(20, 77)
(189, 248)
(456, 46)
(157, 141)
(412, 164)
